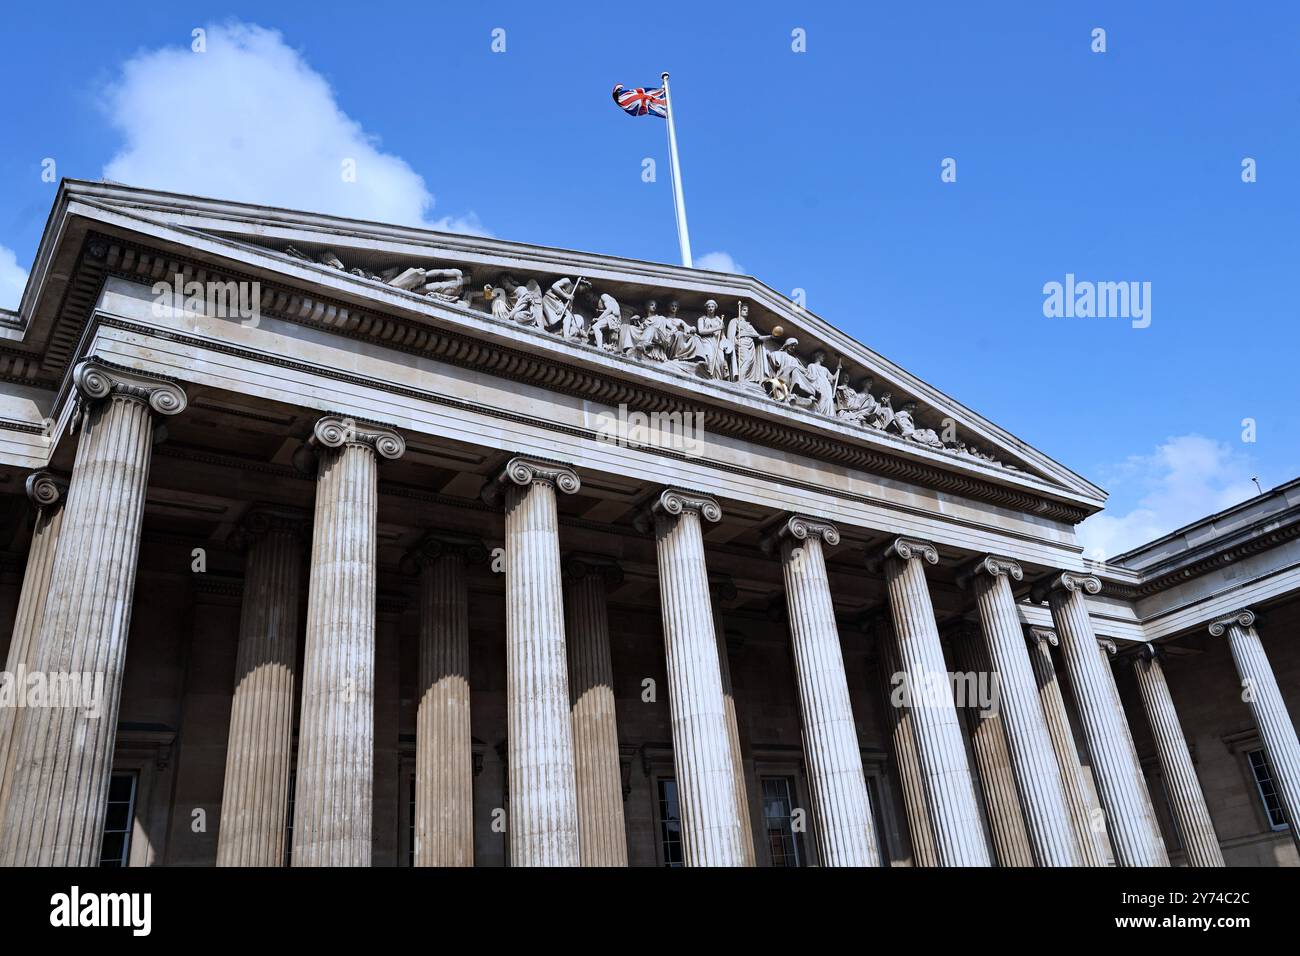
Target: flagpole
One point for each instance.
(679, 200)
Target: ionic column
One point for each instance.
(1185, 796)
(706, 784)
(64, 754)
(1260, 691)
(1130, 820)
(723, 588)
(543, 797)
(259, 755)
(911, 777)
(840, 804)
(1010, 838)
(1086, 840)
(47, 493)
(602, 836)
(444, 752)
(950, 793)
(334, 788)
(1033, 764)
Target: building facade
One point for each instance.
(336, 543)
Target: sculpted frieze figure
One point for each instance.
(748, 362)
(856, 406)
(905, 425)
(610, 320)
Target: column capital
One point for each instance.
(94, 380)
(675, 501)
(1142, 651)
(523, 471)
(578, 565)
(442, 544)
(262, 519)
(904, 549)
(798, 527)
(336, 431)
(1064, 581)
(993, 566)
(1243, 618)
(1042, 635)
(45, 488)
(1108, 645)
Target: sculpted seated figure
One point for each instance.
(610, 320)
(787, 377)
(905, 424)
(856, 407)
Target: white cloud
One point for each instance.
(250, 120)
(13, 278)
(719, 262)
(1188, 477)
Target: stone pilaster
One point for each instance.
(1185, 797)
(1261, 693)
(950, 793)
(840, 803)
(723, 588)
(706, 784)
(902, 736)
(1087, 841)
(444, 755)
(1010, 839)
(602, 835)
(47, 493)
(1033, 764)
(259, 754)
(1130, 819)
(334, 787)
(64, 754)
(543, 798)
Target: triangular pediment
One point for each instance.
(641, 318)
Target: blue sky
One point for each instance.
(817, 170)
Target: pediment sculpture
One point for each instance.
(714, 346)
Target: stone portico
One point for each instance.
(380, 546)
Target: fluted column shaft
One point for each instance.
(911, 777)
(1130, 819)
(444, 752)
(706, 784)
(334, 787)
(259, 755)
(1086, 839)
(840, 803)
(1268, 708)
(723, 588)
(64, 755)
(48, 495)
(950, 793)
(1037, 776)
(988, 732)
(602, 836)
(543, 793)
(1185, 796)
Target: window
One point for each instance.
(115, 849)
(1263, 775)
(670, 823)
(778, 805)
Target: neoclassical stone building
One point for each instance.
(338, 543)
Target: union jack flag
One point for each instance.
(640, 101)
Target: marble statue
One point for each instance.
(905, 424)
(609, 320)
